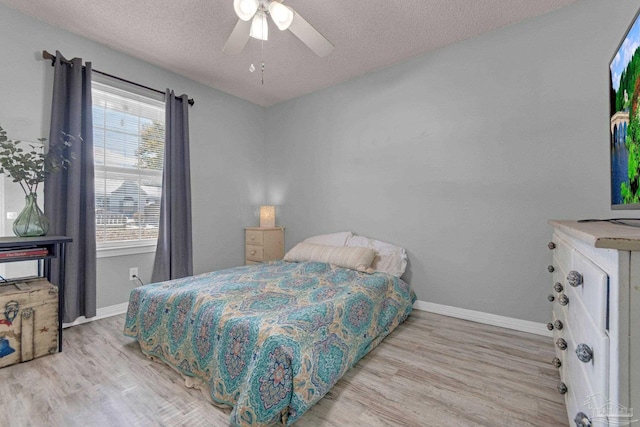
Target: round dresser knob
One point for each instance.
(582, 420)
(558, 325)
(556, 362)
(584, 353)
(562, 388)
(253, 237)
(575, 279)
(563, 299)
(561, 343)
(558, 287)
(550, 326)
(551, 298)
(551, 269)
(551, 246)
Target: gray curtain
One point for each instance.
(69, 195)
(174, 251)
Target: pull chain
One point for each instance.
(252, 67)
(262, 61)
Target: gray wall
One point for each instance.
(461, 156)
(227, 143)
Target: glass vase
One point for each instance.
(31, 222)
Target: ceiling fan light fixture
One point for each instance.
(259, 27)
(282, 16)
(245, 9)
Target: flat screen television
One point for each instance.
(624, 102)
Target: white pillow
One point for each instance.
(359, 259)
(333, 239)
(391, 259)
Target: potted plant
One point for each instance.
(28, 167)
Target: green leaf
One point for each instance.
(30, 168)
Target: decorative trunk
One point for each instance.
(28, 320)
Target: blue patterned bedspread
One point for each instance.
(271, 339)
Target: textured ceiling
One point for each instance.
(187, 36)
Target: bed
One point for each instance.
(268, 340)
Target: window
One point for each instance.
(128, 137)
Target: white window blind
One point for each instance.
(128, 137)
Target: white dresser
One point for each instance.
(595, 295)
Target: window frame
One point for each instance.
(125, 247)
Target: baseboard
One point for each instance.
(486, 318)
(446, 310)
(101, 313)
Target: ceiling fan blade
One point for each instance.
(310, 36)
(238, 38)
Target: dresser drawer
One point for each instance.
(254, 253)
(254, 237)
(560, 276)
(558, 315)
(561, 263)
(592, 292)
(561, 253)
(584, 384)
(580, 329)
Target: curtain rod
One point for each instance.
(47, 55)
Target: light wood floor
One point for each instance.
(432, 371)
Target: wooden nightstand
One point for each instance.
(263, 244)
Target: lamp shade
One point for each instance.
(281, 15)
(267, 216)
(259, 28)
(245, 9)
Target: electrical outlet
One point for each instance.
(12, 215)
(133, 273)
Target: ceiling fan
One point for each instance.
(253, 23)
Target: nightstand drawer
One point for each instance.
(254, 253)
(254, 237)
